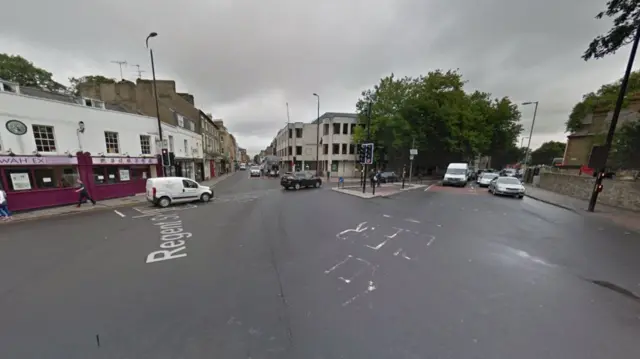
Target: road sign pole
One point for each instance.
(410, 168)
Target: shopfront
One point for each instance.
(38, 181)
(114, 177)
(185, 167)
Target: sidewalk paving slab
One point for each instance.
(107, 204)
(622, 217)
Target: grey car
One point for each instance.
(507, 186)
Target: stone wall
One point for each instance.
(623, 194)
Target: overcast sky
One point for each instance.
(243, 60)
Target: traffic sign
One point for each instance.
(413, 151)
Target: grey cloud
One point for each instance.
(244, 59)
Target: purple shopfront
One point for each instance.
(45, 181)
(38, 181)
(113, 177)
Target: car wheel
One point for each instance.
(164, 202)
(205, 197)
(297, 186)
(520, 197)
(317, 184)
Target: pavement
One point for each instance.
(108, 204)
(602, 212)
(265, 273)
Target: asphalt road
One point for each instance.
(444, 273)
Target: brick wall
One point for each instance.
(623, 194)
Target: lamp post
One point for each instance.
(155, 93)
(535, 111)
(522, 145)
(318, 137)
(614, 121)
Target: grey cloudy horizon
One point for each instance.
(243, 60)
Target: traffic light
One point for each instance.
(367, 153)
(360, 151)
(166, 161)
(599, 188)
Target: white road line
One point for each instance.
(426, 189)
(119, 213)
(386, 216)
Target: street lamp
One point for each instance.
(318, 136)
(155, 93)
(535, 111)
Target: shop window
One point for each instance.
(112, 174)
(45, 178)
(111, 142)
(45, 140)
(69, 177)
(145, 144)
(139, 173)
(99, 175)
(124, 174)
(19, 179)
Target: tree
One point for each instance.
(256, 159)
(545, 154)
(625, 151)
(604, 99)
(446, 123)
(626, 18)
(94, 79)
(16, 68)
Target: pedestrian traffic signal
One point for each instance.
(599, 188)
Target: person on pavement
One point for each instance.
(84, 194)
(4, 206)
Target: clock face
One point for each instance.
(16, 127)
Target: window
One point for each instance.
(298, 133)
(289, 150)
(171, 144)
(180, 120)
(345, 128)
(290, 133)
(111, 140)
(344, 149)
(145, 144)
(353, 128)
(325, 129)
(19, 179)
(189, 184)
(336, 128)
(45, 140)
(352, 149)
(298, 150)
(336, 149)
(325, 149)
(192, 126)
(186, 148)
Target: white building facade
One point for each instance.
(49, 140)
(298, 143)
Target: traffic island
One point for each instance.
(384, 190)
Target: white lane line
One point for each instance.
(412, 220)
(119, 213)
(386, 216)
(426, 189)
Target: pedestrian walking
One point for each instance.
(84, 194)
(4, 206)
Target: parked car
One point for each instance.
(243, 167)
(486, 178)
(388, 177)
(254, 171)
(507, 186)
(164, 191)
(297, 180)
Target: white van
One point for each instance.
(163, 191)
(456, 175)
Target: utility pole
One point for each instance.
(289, 139)
(139, 71)
(120, 63)
(163, 171)
(318, 137)
(614, 122)
(533, 122)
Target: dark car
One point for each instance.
(388, 177)
(297, 180)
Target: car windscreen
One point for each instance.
(508, 181)
(387, 174)
(456, 171)
(489, 175)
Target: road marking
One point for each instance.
(412, 220)
(386, 216)
(119, 213)
(426, 189)
(433, 238)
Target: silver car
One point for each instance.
(507, 186)
(485, 179)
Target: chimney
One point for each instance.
(187, 97)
